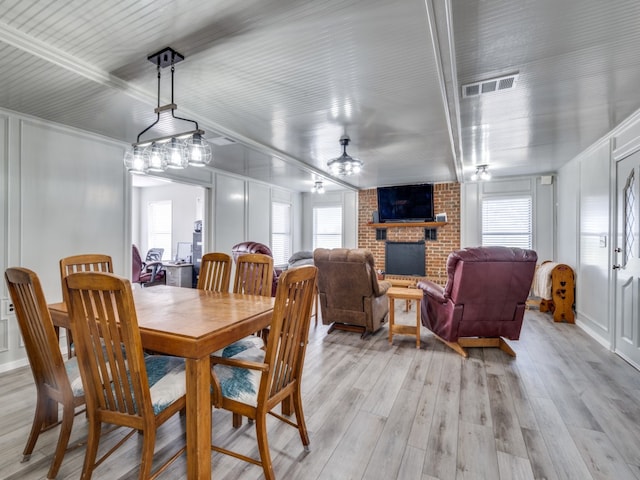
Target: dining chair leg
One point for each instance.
(302, 426)
(263, 446)
(36, 427)
(93, 437)
(68, 414)
(237, 420)
(148, 445)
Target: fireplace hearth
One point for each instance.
(405, 258)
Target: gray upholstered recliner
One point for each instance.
(351, 297)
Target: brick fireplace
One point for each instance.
(446, 200)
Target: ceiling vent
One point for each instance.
(487, 86)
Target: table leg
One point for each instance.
(198, 418)
(418, 324)
(391, 318)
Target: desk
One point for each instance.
(179, 274)
(405, 294)
(192, 323)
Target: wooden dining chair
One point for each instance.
(88, 262)
(255, 381)
(215, 272)
(57, 381)
(122, 385)
(215, 275)
(254, 274)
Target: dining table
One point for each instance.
(192, 324)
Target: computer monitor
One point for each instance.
(183, 252)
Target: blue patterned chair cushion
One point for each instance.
(166, 377)
(167, 380)
(241, 384)
(71, 366)
(235, 348)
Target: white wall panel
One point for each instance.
(259, 213)
(567, 224)
(72, 200)
(350, 218)
(229, 216)
(592, 285)
(470, 215)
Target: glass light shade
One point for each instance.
(135, 160)
(485, 175)
(175, 154)
(318, 188)
(345, 165)
(155, 159)
(198, 151)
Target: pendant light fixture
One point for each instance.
(482, 173)
(318, 187)
(345, 164)
(172, 151)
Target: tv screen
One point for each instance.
(406, 203)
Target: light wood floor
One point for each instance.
(564, 409)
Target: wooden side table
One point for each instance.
(404, 294)
(403, 282)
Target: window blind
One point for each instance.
(280, 232)
(507, 221)
(159, 222)
(327, 227)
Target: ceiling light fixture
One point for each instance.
(344, 164)
(482, 173)
(318, 187)
(171, 151)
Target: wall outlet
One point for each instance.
(7, 307)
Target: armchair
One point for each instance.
(149, 272)
(256, 247)
(483, 299)
(351, 297)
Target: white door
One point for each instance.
(627, 266)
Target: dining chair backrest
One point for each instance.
(103, 315)
(288, 332)
(254, 274)
(215, 272)
(89, 262)
(46, 361)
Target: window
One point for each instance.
(280, 232)
(327, 227)
(159, 226)
(507, 221)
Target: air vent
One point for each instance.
(491, 85)
(221, 141)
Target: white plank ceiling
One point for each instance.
(285, 79)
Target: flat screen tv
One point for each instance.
(406, 203)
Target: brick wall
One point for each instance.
(446, 199)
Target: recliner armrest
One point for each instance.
(433, 290)
(383, 286)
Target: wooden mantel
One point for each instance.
(407, 224)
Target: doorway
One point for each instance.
(182, 221)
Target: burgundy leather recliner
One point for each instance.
(483, 299)
(256, 247)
